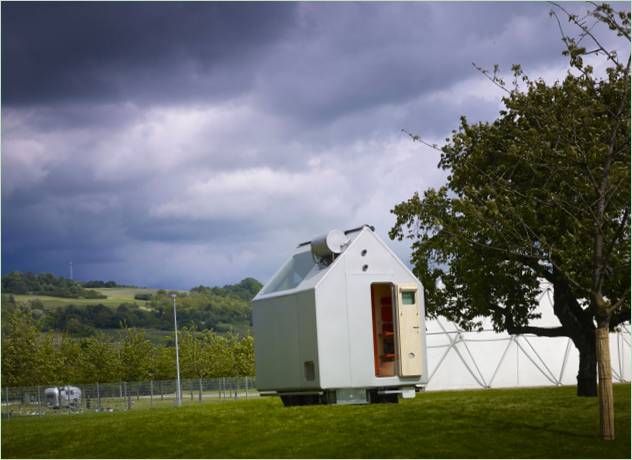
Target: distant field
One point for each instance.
(511, 423)
(116, 296)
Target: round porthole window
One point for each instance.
(365, 268)
(363, 253)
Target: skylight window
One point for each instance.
(293, 272)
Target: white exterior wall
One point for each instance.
(285, 338)
(332, 321)
(346, 320)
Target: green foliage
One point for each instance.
(163, 363)
(214, 340)
(46, 284)
(511, 423)
(23, 350)
(100, 284)
(32, 358)
(521, 203)
(246, 289)
(142, 297)
(207, 354)
(135, 357)
(99, 360)
(223, 310)
(244, 356)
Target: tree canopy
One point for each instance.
(30, 357)
(541, 193)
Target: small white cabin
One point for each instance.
(342, 321)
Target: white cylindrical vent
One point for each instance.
(334, 242)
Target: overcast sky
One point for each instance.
(171, 145)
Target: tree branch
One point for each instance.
(620, 317)
(540, 331)
(417, 138)
(587, 32)
(495, 80)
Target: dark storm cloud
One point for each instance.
(173, 144)
(369, 54)
(120, 50)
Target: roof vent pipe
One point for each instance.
(329, 245)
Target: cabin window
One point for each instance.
(408, 297)
(293, 272)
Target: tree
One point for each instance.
(99, 360)
(244, 355)
(163, 363)
(68, 362)
(218, 354)
(135, 356)
(542, 193)
(22, 360)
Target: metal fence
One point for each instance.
(124, 396)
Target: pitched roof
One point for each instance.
(302, 271)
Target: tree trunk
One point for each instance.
(606, 409)
(581, 329)
(587, 374)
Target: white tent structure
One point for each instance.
(459, 360)
(342, 321)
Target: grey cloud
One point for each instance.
(175, 144)
(365, 55)
(132, 50)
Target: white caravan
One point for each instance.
(67, 397)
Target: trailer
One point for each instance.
(66, 397)
(341, 322)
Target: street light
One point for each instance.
(175, 325)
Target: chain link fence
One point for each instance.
(121, 396)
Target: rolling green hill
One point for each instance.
(113, 298)
(222, 309)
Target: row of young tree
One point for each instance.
(30, 357)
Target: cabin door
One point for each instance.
(384, 347)
(408, 335)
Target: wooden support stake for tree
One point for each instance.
(606, 409)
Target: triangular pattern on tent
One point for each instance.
(488, 359)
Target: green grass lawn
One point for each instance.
(518, 423)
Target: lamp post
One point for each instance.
(175, 325)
